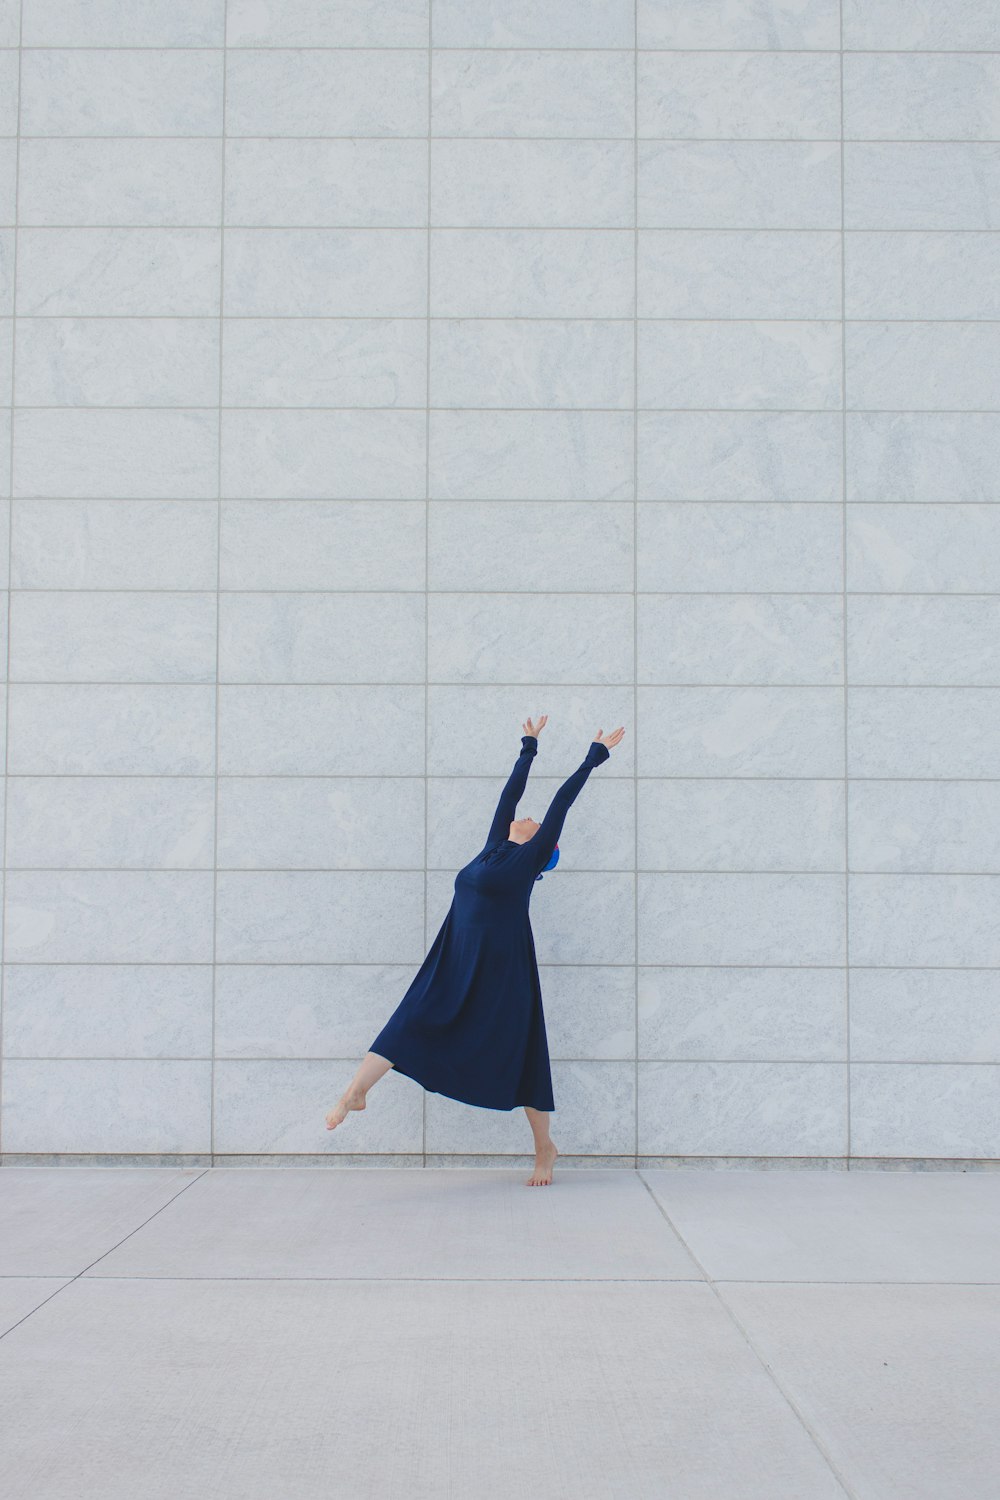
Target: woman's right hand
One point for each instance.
(535, 729)
(612, 739)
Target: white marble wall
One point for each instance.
(366, 398)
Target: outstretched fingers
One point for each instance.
(612, 739)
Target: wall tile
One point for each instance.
(102, 1105)
(742, 638)
(741, 731)
(327, 23)
(924, 639)
(934, 1109)
(519, 546)
(948, 95)
(734, 548)
(733, 273)
(915, 731)
(114, 544)
(927, 920)
(915, 275)
(743, 824)
(691, 1014)
(925, 1015)
(158, 23)
(920, 24)
(921, 185)
(297, 183)
(531, 455)
(533, 93)
(140, 92)
(539, 363)
(521, 273)
(325, 273)
(538, 184)
(739, 185)
(316, 637)
(741, 1109)
(924, 826)
(134, 729)
(714, 918)
(110, 1010)
(154, 182)
(716, 23)
(304, 1010)
(760, 94)
(520, 23)
(740, 455)
(926, 549)
(329, 92)
(736, 364)
(76, 822)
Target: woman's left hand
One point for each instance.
(535, 729)
(612, 739)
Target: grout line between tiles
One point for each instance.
(264, 317)
(843, 617)
(471, 139)
(737, 685)
(10, 580)
(218, 597)
(338, 228)
(251, 592)
(243, 1058)
(634, 728)
(461, 411)
(490, 47)
(427, 518)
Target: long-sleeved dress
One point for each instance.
(471, 1024)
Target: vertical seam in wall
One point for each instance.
(843, 549)
(10, 570)
(218, 589)
(427, 529)
(635, 582)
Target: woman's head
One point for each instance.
(523, 829)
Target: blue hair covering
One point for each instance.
(553, 861)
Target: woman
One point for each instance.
(471, 1025)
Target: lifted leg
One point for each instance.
(370, 1070)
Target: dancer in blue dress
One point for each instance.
(471, 1024)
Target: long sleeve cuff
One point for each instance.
(529, 742)
(598, 753)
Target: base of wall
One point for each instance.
(201, 1160)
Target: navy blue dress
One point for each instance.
(471, 1024)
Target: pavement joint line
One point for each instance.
(81, 1273)
(817, 1442)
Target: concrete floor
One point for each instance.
(399, 1334)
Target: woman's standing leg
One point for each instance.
(370, 1070)
(545, 1151)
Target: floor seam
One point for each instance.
(86, 1268)
(814, 1438)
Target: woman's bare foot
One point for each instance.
(350, 1099)
(544, 1159)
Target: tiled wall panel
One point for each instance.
(375, 375)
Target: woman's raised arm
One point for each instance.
(516, 781)
(545, 840)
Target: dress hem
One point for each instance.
(475, 1103)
